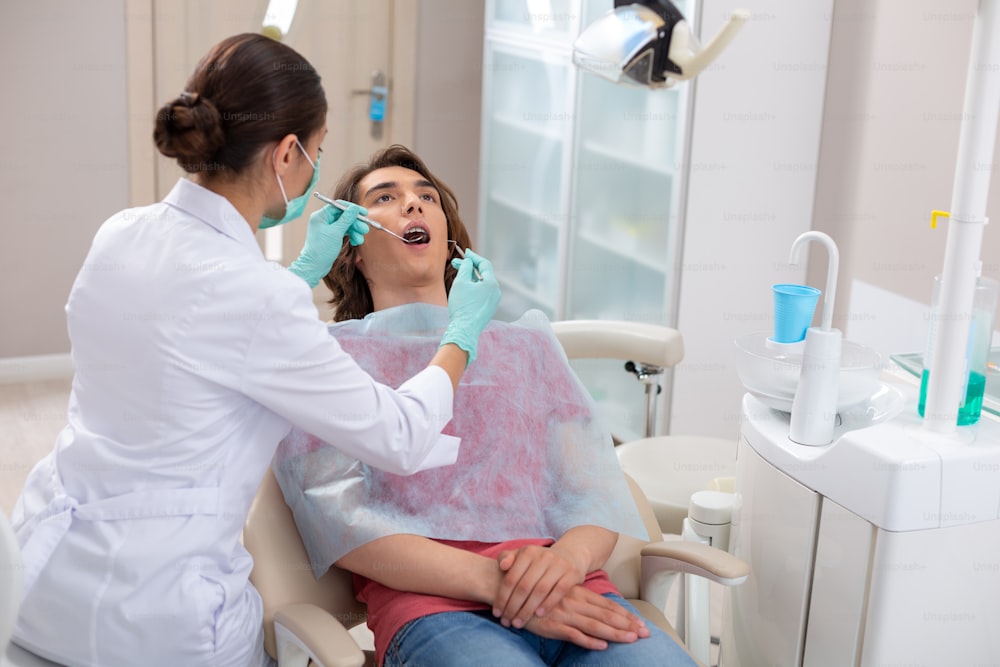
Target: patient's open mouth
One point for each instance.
(416, 235)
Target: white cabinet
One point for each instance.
(580, 187)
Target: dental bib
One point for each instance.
(535, 459)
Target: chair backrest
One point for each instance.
(282, 573)
(10, 581)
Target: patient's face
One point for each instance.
(408, 204)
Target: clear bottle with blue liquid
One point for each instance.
(977, 350)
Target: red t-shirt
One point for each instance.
(389, 609)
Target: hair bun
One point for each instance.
(190, 129)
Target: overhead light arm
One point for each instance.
(278, 18)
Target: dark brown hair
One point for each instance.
(351, 297)
(248, 91)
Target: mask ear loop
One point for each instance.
(304, 152)
(281, 186)
(274, 155)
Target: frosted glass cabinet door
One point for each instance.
(623, 227)
(623, 211)
(555, 20)
(526, 132)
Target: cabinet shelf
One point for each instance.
(554, 24)
(632, 256)
(630, 160)
(533, 215)
(528, 127)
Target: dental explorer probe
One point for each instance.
(461, 253)
(367, 221)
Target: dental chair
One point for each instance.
(307, 619)
(668, 468)
(685, 477)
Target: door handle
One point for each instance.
(378, 97)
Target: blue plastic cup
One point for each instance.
(794, 306)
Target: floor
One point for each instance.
(32, 414)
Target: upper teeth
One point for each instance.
(414, 229)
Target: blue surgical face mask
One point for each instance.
(295, 207)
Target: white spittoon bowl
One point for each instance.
(770, 371)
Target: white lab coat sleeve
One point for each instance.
(295, 368)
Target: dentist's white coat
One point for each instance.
(193, 358)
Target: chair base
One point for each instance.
(671, 468)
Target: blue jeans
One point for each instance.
(477, 639)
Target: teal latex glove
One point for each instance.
(324, 238)
(471, 302)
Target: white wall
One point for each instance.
(754, 148)
(63, 156)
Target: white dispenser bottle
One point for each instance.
(814, 408)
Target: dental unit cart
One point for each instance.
(871, 540)
(882, 548)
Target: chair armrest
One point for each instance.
(304, 631)
(693, 558)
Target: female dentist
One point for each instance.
(194, 356)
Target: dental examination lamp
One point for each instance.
(649, 43)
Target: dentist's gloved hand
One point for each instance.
(327, 228)
(471, 303)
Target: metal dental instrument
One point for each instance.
(367, 221)
(461, 253)
(376, 225)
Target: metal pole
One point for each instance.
(947, 379)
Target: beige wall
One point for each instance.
(891, 111)
(448, 96)
(63, 157)
(65, 164)
(894, 103)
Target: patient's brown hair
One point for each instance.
(351, 298)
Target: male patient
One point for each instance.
(495, 560)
